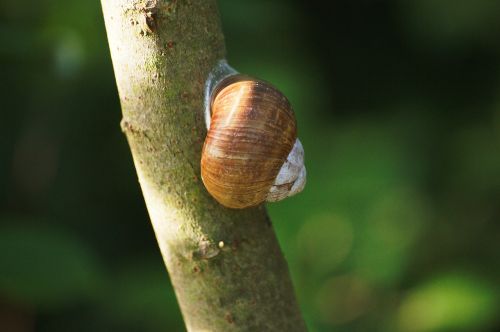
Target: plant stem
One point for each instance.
(225, 265)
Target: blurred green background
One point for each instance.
(398, 105)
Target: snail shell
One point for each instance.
(251, 153)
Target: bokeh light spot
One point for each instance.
(324, 241)
(453, 302)
(342, 299)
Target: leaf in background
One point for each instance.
(141, 296)
(453, 302)
(447, 23)
(45, 266)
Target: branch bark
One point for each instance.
(225, 265)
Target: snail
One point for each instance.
(251, 152)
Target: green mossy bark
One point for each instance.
(225, 265)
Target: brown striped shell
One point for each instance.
(251, 133)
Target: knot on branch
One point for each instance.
(128, 127)
(206, 250)
(145, 14)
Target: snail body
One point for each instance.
(251, 153)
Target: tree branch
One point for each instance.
(225, 265)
